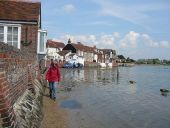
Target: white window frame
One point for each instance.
(5, 32)
(45, 40)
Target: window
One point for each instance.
(42, 35)
(1, 34)
(10, 34)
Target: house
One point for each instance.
(54, 48)
(22, 43)
(64, 55)
(109, 54)
(84, 53)
(71, 57)
(20, 26)
(109, 57)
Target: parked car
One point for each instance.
(73, 65)
(68, 65)
(80, 65)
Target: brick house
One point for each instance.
(21, 42)
(20, 26)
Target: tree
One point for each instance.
(121, 57)
(156, 61)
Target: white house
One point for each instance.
(53, 49)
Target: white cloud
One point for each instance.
(165, 44)
(69, 8)
(149, 42)
(102, 41)
(116, 35)
(123, 44)
(107, 39)
(130, 40)
(85, 39)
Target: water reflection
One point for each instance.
(97, 76)
(164, 94)
(72, 104)
(108, 100)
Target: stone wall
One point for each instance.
(18, 71)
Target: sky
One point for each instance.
(134, 28)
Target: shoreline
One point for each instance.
(53, 115)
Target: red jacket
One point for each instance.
(53, 74)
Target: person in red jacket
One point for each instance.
(53, 77)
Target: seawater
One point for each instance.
(104, 98)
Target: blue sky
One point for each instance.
(134, 28)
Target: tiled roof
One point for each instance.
(54, 44)
(18, 10)
(84, 48)
(78, 46)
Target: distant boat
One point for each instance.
(106, 65)
(103, 65)
(126, 64)
(109, 65)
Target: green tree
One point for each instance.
(156, 61)
(121, 57)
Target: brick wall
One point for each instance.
(17, 70)
(29, 36)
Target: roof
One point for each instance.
(107, 51)
(72, 54)
(19, 10)
(78, 46)
(84, 48)
(54, 44)
(63, 52)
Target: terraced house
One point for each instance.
(80, 53)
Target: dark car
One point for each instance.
(80, 65)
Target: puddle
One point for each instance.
(71, 104)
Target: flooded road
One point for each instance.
(104, 98)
